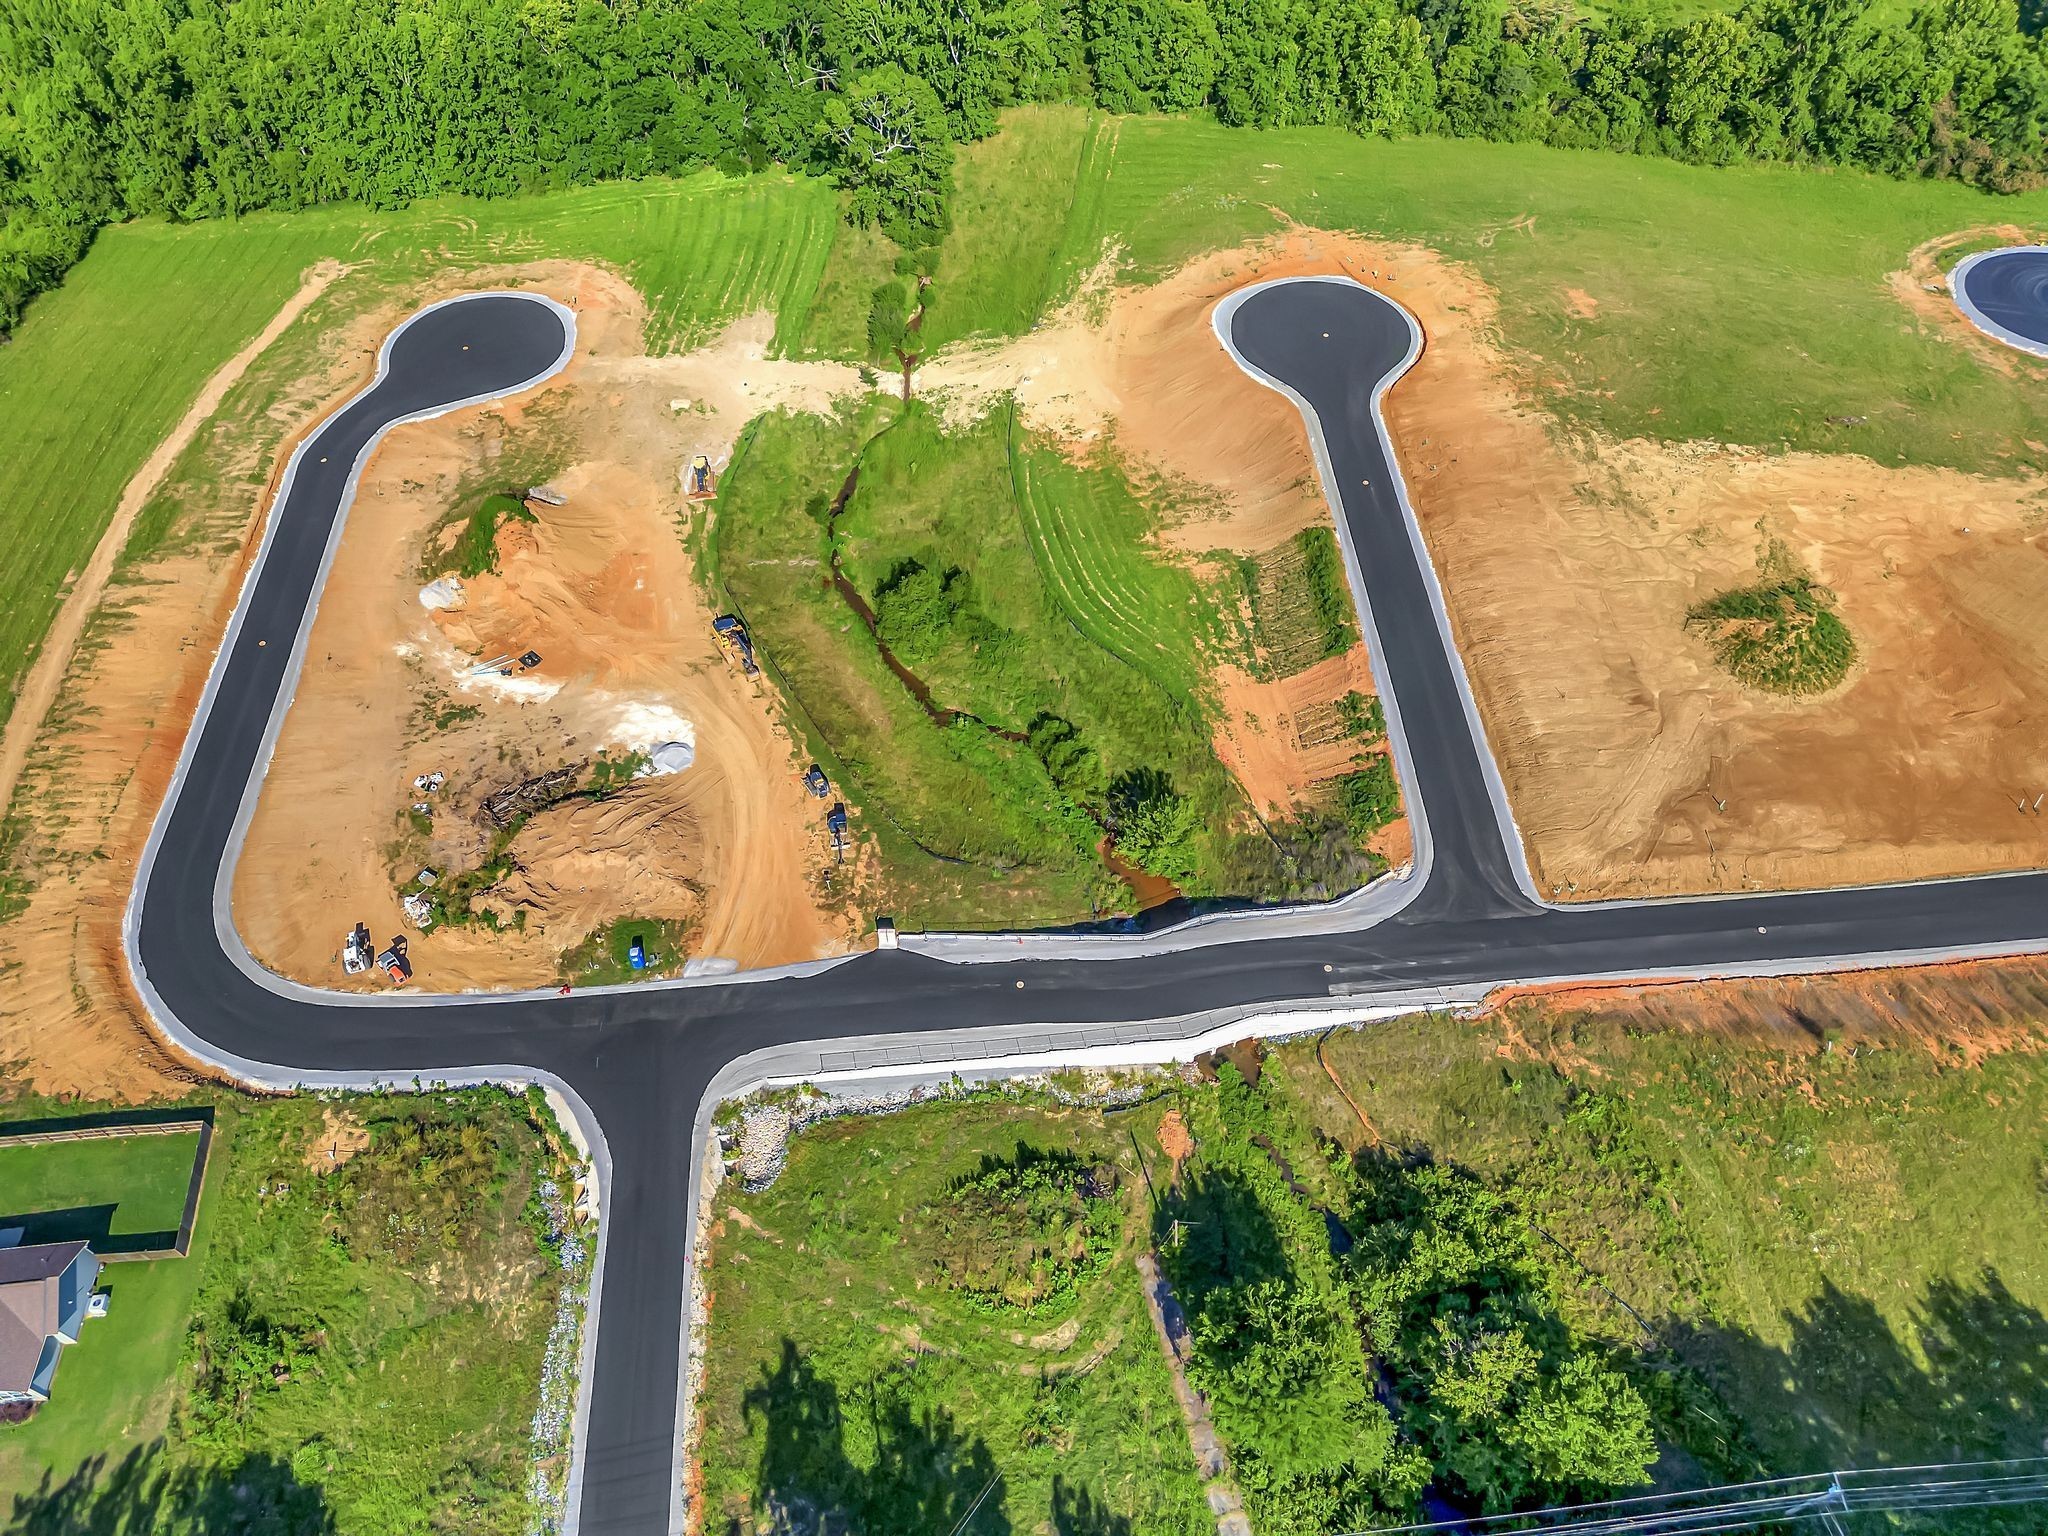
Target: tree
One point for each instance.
(1510, 1406)
(1154, 824)
(894, 153)
(1152, 55)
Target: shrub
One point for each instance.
(917, 608)
(1329, 593)
(1022, 1232)
(1778, 636)
(1069, 761)
(1364, 717)
(1369, 798)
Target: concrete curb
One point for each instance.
(1958, 287)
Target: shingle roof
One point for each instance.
(42, 1262)
(29, 1307)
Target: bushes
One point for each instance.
(917, 609)
(1369, 798)
(1022, 1233)
(1364, 717)
(1329, 593)
(1780, 636)
(1154, 824)
(1511, 1407)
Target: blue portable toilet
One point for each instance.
(636, 953)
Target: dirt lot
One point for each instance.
(1634, 765)
(603, 589)
(90, 785)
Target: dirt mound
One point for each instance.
(576, 867)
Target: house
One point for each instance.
(45, 1294)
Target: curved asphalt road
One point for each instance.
(2005, 294)
(637, 1062)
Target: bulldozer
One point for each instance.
(699, 486)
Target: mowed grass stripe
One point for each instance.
(1086, 531)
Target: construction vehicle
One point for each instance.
(835, 823)
(393, 963)
(700, 479)
(732, 634)
(355, 950)
(816, 782)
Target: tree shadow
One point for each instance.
(1076, 1512)
(1848, 1390)
(258, 1496)
(925, 1475)
(1214, 1232)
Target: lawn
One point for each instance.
(350, 1346)
(121, 1187)
(853, 1372)
(1012, 194)
(100, 370)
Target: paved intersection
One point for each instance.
(637, 1063)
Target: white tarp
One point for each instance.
(667, 757)
(442, 592)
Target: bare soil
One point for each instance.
(603, 588)
(1635, 766)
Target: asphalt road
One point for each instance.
(641, 1059)
(2005, 293)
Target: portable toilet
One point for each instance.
(636, 953)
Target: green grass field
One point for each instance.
(1011, 201)
(355, 1348)
(100, 370)
(846, 1378)
(1062, 619)
(1803, 1251)
(118, 1187)
(1088, 533)
(1836, 1236)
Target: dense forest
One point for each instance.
(197, 108)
